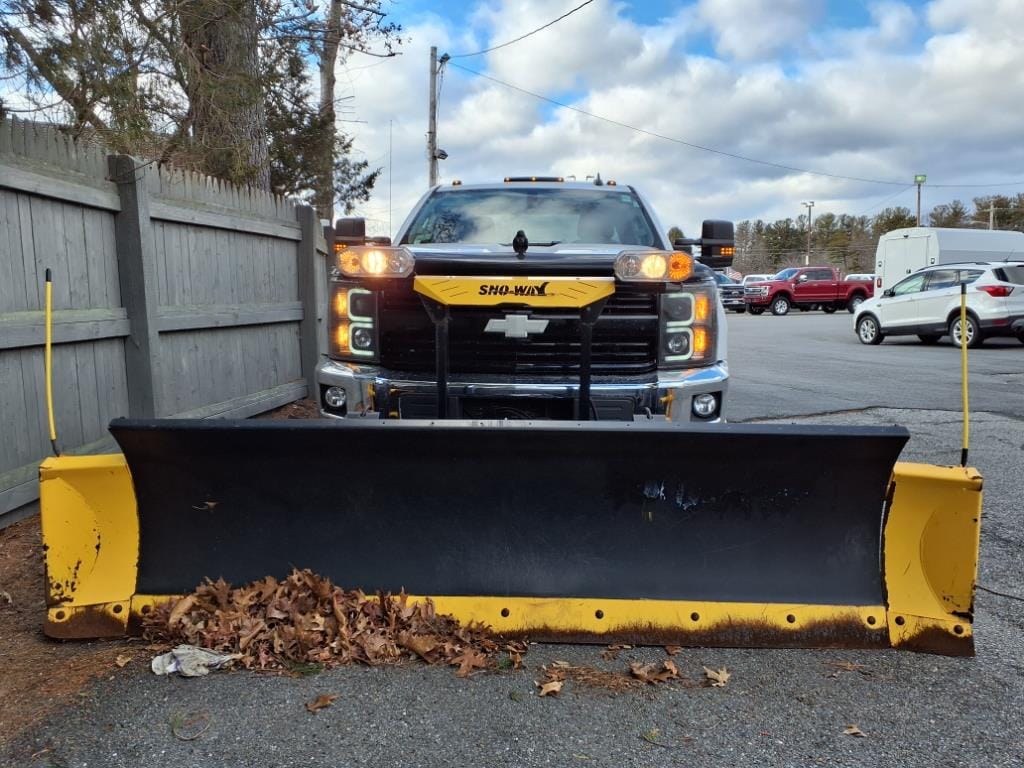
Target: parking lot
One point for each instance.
(779, 708)
(810, 362)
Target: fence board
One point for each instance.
(219, 297)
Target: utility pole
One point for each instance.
(809, 205)
(391, 167)
(432, 120)
(433, 153)
(992, 214)
(919, 179)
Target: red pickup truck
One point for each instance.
(806, 288)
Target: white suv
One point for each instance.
(927, 303)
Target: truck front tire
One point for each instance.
(780, 306)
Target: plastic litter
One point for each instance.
(191, 661)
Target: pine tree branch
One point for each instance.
(60, 84)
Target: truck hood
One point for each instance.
(564, 258)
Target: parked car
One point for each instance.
(806, 288)
(902, 252)
(928, 304)
(755, 279)
(731, 293)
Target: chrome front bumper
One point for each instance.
(368, 389)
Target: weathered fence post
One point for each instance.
(136, 268)
(309, 342)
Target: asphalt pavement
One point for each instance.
(810, 362)
(780, 707)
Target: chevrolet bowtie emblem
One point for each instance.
(516, 326)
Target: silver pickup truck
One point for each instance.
(528, 299)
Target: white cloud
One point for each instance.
(754, 29)
(873, 102)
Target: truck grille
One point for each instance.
(625, 338)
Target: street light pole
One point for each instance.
(809, 205)
(919, 179)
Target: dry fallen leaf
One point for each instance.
(322, 701)
(849, 666)
(651, 735)
(717, 678)
(181, 607)
(469, 660)
(189, 727)
(652, 673)
(853, 730)
(550, 688)
(122, 659)
(672, 650)
(611, 653)
(421, 645)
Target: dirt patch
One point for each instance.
(300, 409)
(40, 675)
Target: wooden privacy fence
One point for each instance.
(174, 295)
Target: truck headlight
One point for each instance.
(687, 335)
(353, 332)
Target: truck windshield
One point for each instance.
(547, 216)
(786, 274)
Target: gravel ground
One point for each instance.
(780, 708)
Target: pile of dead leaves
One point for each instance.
(307, 620)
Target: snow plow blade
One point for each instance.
(644, 532)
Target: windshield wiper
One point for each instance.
(553, 242)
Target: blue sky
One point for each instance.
(876, 90)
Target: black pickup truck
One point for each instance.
(527, 299)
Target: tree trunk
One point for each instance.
(323, 193)
(229, 122)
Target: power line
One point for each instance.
(672, 138)
(885, 200)
(523, 37)
(712, 150)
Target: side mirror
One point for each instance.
(717, 244)
(803, 278)
(350, 231)
(683, 244)
(887, 293)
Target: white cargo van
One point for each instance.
(903, 251)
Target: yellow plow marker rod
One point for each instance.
(49, 360)
(963, 373)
